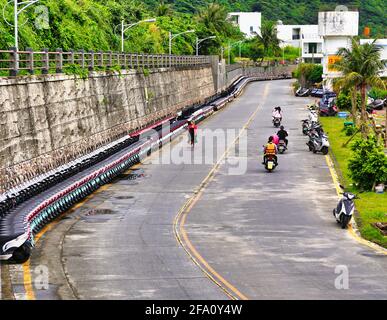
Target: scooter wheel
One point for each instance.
(344, 221)
(22, 254)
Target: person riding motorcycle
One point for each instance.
(270, 149)
(283, 134)
(277, 113)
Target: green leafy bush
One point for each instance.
(77, 71)
(349, 130)
(308, 74)
(376, 93)
(368, 165)
(344, 101)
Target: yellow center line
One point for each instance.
(179, 222)
(351, 230)
(27, 278)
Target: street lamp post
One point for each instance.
(199, 41)
(125, 27)
(229, 47)
(173, 36)
(18, 8)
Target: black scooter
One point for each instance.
(345, 209)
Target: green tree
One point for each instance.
(360, 66)
(368, 165)
(308, 74)
(214, 17)
(164, 9)
(268, 37)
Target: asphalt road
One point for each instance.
(268, 236)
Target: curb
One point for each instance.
(353, 229)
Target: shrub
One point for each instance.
(344, 101)
(77, 71)
(368, 165)
(378, 93)
(349, 130)
(308, 74)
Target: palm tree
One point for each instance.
(349, 66)
(214, 17)
(164, 9)
(360, 66)
(268, 37)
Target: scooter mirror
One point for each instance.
(342, 187)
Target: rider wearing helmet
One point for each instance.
(283, 134)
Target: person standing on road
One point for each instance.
(192, 129)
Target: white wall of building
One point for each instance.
(249, 22)
(294, 34)
(305, 37)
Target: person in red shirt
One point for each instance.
(192, 129)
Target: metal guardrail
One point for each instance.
(47, 62)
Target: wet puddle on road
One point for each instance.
(124, 197)
(134, 174)
(131, 177)
(95, 212)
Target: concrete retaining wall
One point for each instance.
(48, 120)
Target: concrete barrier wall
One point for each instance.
(46, 121)
(226, 75)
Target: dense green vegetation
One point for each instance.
(360, 67)
(308, 74)
(94, 24)
(372, 12)
(368, 214)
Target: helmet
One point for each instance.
(282, 127)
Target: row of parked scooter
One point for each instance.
(26, 191)
(318, 142)
(311, 127)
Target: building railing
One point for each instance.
(46, 62)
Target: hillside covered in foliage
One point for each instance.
(94, 24)
(373, 13)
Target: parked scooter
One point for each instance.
(377, 104)
(318, 141)
(313, 116)
(345, 208)
(328, 107)
(302, 92)
(305, 126)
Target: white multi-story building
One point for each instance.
(336, 28)
(305, 37)
(248, 22)
(382, 44)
